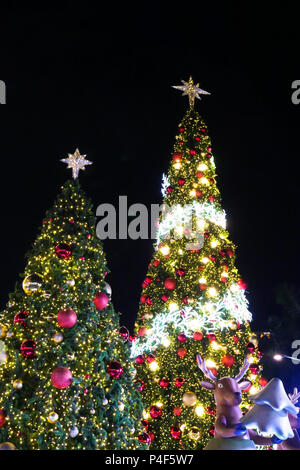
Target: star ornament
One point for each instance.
(77, 162)
(191, 90)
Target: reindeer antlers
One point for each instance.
(208, 373)
(294, 397)
(242, 371)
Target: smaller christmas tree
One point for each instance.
(66, 380)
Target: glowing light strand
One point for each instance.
(208, 317)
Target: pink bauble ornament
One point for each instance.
(101, 300)
(66, 318)
(114, 369)
(61, 377)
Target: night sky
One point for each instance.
(101, 81)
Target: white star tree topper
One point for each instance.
(77, 162)
(191, 90)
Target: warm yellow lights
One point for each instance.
(210, 363)
(204, 181)
(199, 410)
(165, 250)
(202, 167)
(177, 166)
(159, 404)
(153, 366)
(212, 291)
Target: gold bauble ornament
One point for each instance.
(3, 357)
(47, 295)
(32, 283)
(3, 330)
(18, 384)
(194, 433)
(58, 337)
(53, 417)
(189, 398)
(7, 446)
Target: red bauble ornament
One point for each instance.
(101, 300)
(185, 300)
(242, 285)
(262, 381)
(228, 360)
(211, 198)
(208, 155)
(211, 337)
(177, 156)
(199, 174)
(198, 138)
(147, 281)
(21, 318)
(156, 262)
(209, 149)
(149, 301)
(254, 368)
(181, 337)
(164, 383)
(175, 432)
(2, 417)
(193, 152)
(66, 318)
(250, 347)
(203, 129)
(145, 423)
(144, 437)
(124, 333)
(61, 378)
(63, 250)
(170, 283)
(229, 253)
(131, 338)
(170, 189)
(235, 339)
(181, 352)
(155, 412)
(114, 369)
(164, 297)
(140, 359)
(181, 129)
(180, 272)
(150, 358)
(199, 193)
(28, 348)
(179, 382)
(181, 181)
(212, 431)
(151, 435)
(142, 331)
(177, 411)
(198, 336)
(140, 384)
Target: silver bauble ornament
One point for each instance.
(70, 282)
(74, 431)
(107, 289)
(58, 337)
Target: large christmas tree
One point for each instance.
(193, 299)
(65, 372)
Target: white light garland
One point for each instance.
(206, 317)
(182, 216)
(165, 184)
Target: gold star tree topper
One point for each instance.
(77, 162)
(191, 90)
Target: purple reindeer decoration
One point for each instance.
(230, 433)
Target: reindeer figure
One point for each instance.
(230, 433)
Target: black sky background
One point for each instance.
(101, 81)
